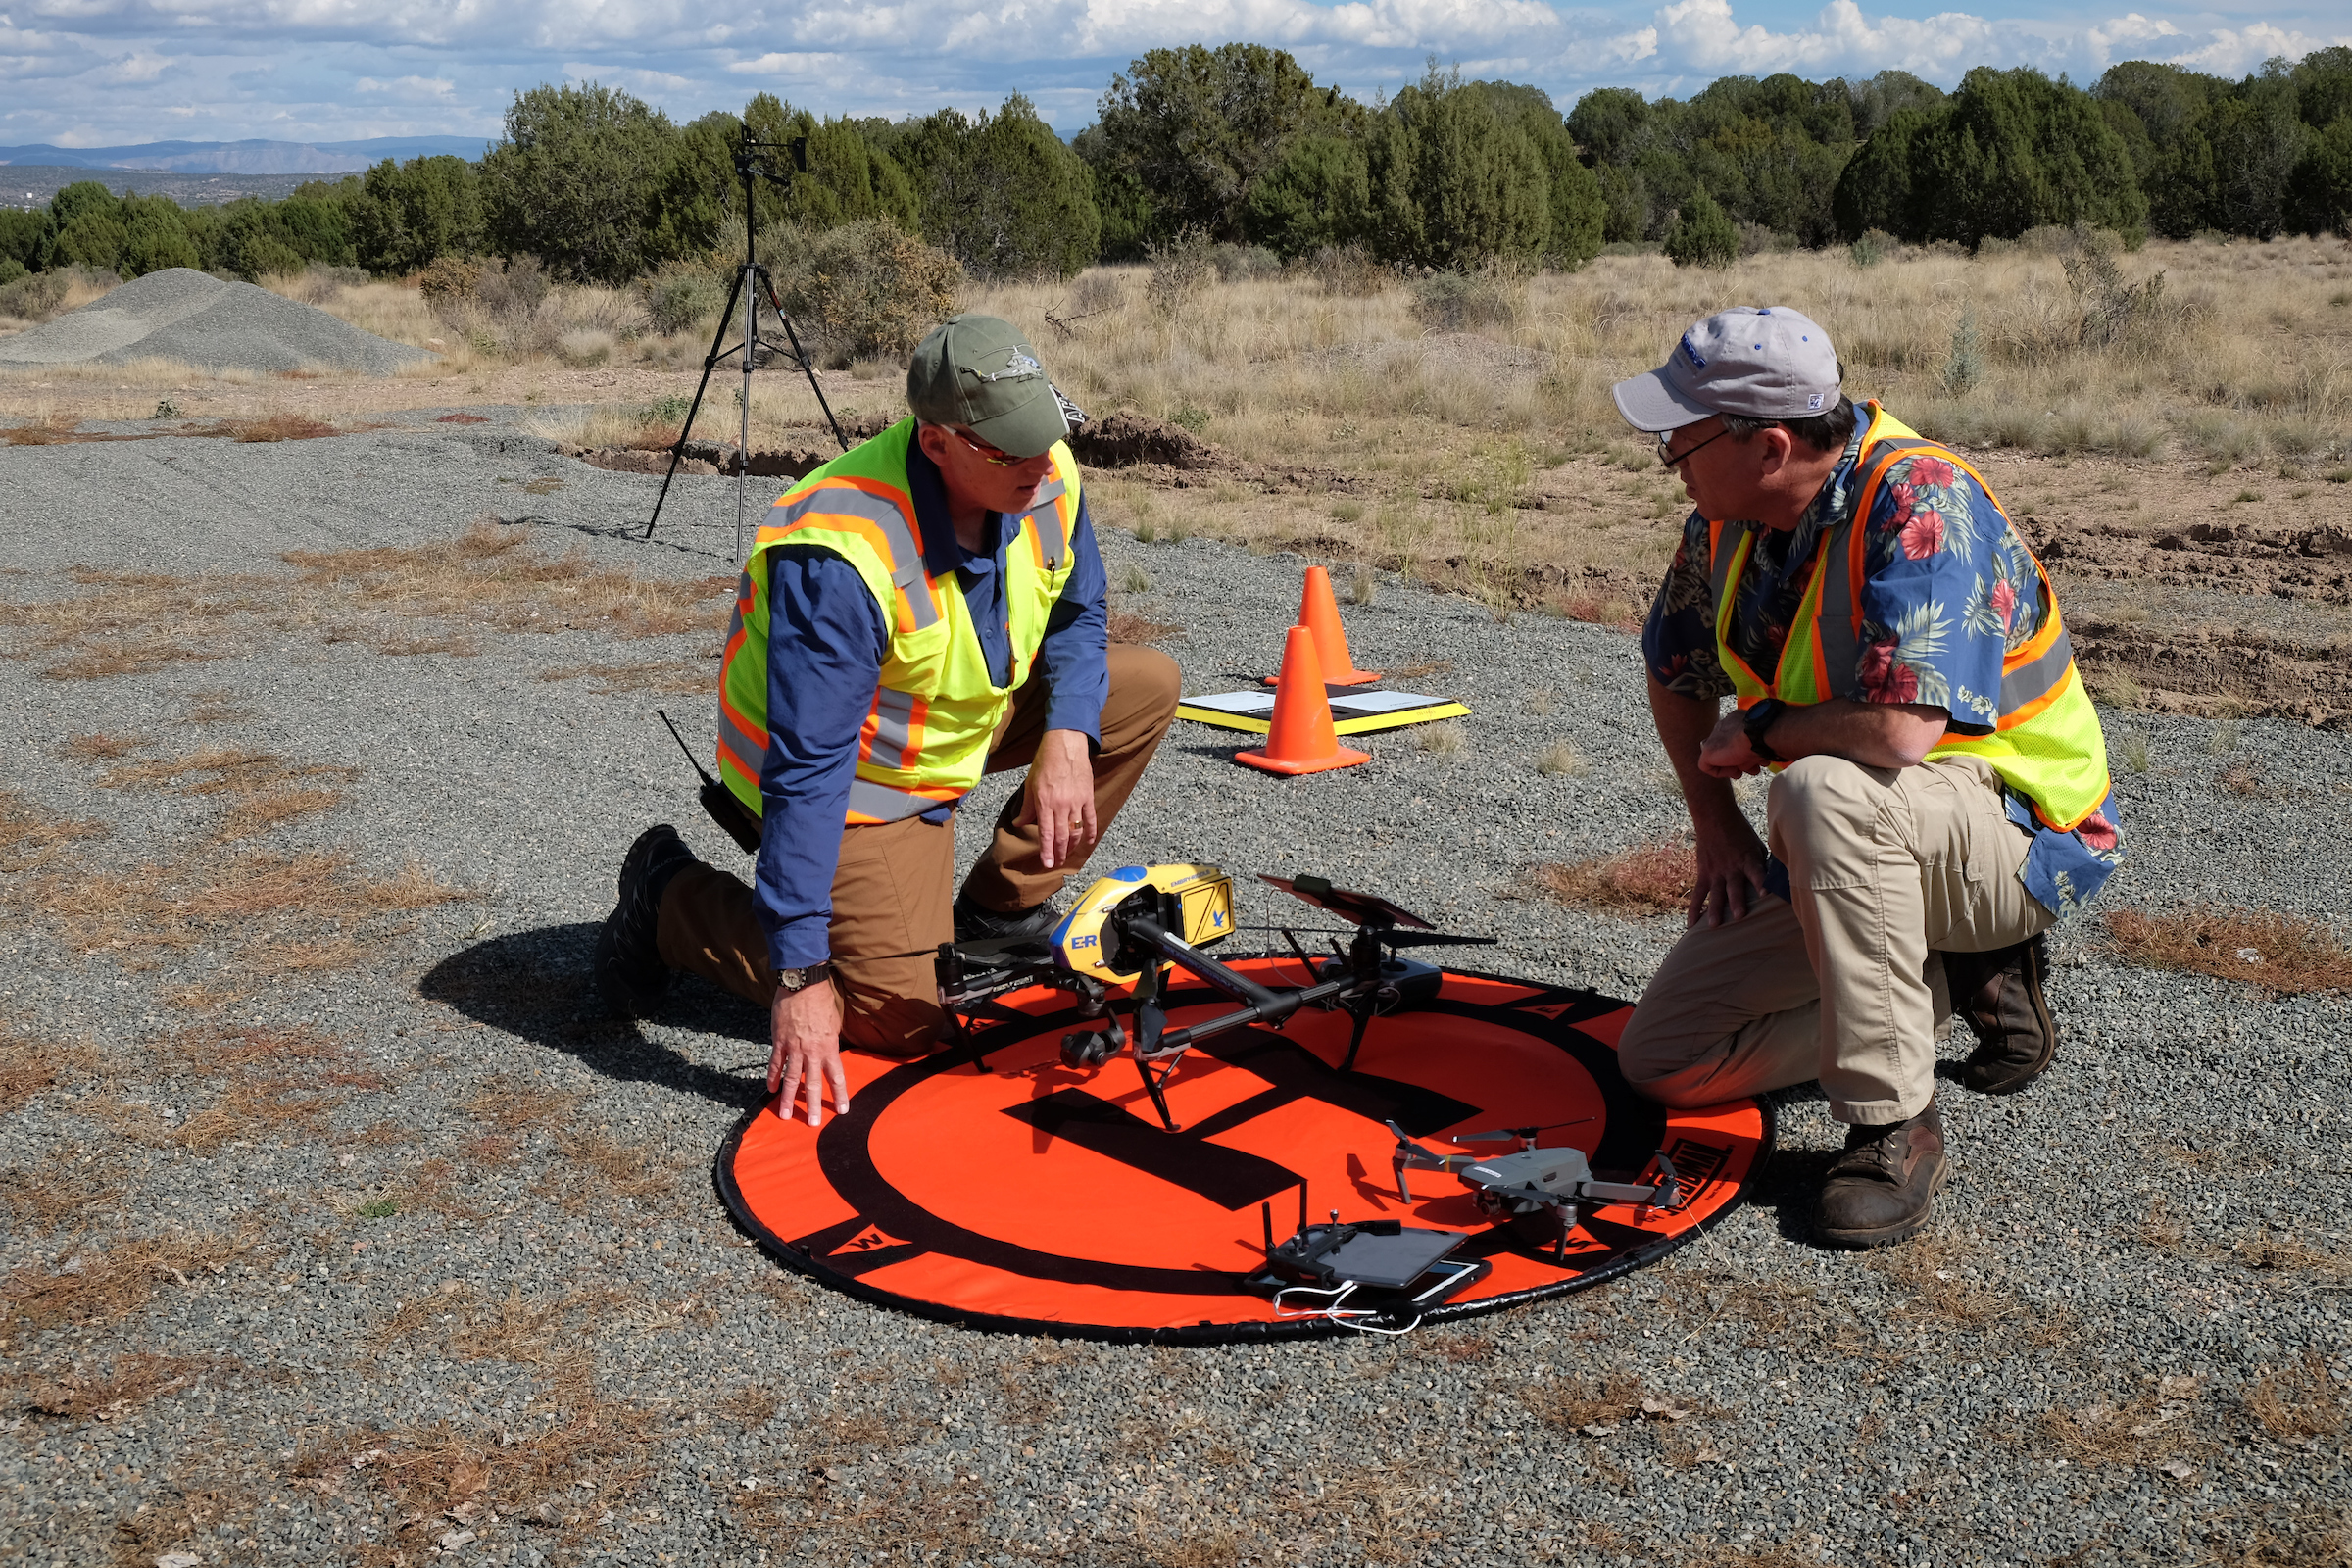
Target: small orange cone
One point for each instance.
(1319, 613)
(1302, 738)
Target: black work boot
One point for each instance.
(1883, 1186)
(976, 924)
(630, 976)
(1999, 994)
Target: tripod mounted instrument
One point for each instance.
(751, 281)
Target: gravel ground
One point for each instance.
(182, 313)
(419, 1256)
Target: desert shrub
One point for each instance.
(1181, 267)
(1348, 270)
(1450, 302)
(1871, 249)
(512, 289)
(1964, 368)
(33, 296)
(1702, 236)
(11, 270)
(1099, 291)
(1240, 263)
(865, 290)
(683, 297)
(448, 279)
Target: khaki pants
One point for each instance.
(892, 892)
(1841, 983)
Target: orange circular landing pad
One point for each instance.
(990, 1186)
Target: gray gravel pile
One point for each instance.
(182, 313)
(431, 1258)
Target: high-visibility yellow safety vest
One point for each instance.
(927, 732)
(2045, 743)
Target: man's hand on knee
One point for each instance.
(1062, 797)
(1731, 871)
(804, 1050)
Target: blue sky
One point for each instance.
(92, 73)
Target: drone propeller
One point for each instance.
(1496, 1135)
(1363, 909)
(1435, 939)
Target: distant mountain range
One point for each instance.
(247, 157)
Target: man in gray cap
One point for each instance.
(925, 608)
(1897, 656)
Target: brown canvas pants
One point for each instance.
(1842, 982)
(891, 894)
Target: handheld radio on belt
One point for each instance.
(724, 809)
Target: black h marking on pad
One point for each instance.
(1229, 1178)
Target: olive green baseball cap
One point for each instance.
(978, 374)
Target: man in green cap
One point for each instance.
(927, 608)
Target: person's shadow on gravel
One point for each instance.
(536, 986)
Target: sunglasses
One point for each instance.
(1670, 459)
(987, 454)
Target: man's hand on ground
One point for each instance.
(1730, 872)
(1727, 753)
(804, 1051)
(1060, 797)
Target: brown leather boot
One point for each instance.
(1999, 994)
(1883, 1187)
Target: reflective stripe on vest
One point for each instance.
(2046, 742)
(925, 735)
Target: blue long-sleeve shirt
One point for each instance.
(826, 641)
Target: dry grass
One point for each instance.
(113, 1391)
(29, 1065)
(2288, 953)
(583, 1445)
(486, 577)
(98, 747)
(274, 910)
(2171, 1421)
(1652, 878)
(1575, 1408)
(56, 1197)
(2300, 1404)
(135, 623)
(98, 1286)
(32, 839)
(1126, 626)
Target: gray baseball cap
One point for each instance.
(978, 374)
(1764, 362)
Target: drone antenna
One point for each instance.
(1302, 1205)
(691, 760)
(1266, 1216)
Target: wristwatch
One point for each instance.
(1759, 719)
(790, 980)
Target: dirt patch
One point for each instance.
(2287, 562)
(2212, 673)
(1145, 449)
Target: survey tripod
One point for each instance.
(751, 280)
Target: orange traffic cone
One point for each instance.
(1302, 738)
(1319, 613)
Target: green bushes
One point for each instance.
(1703, 235)
(864, 290)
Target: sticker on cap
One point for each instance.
(1699, 360)
(1018, 368)
(1816, 400)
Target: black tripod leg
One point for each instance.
(677, 449)
(809, 370)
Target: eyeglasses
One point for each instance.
(1671, 459)
(988, 454)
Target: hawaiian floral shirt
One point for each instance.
(1950, 589)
